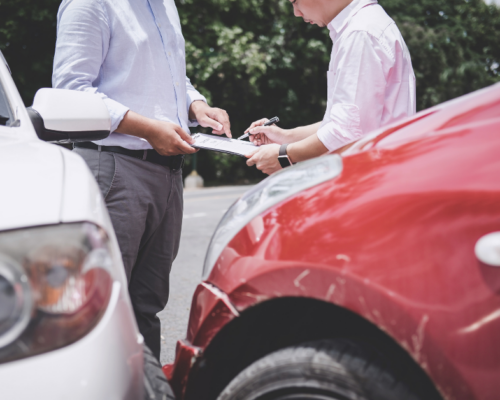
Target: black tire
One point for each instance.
(156, 386)
(324, 370)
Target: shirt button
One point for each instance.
(169, 53)
(176, 83)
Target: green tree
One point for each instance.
(255, 59)
(27, 40)
(454, 45)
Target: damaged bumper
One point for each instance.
(210, 311)
(177, 373)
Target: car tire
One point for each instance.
(328, 369)
(156, 386)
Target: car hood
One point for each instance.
(44, 184)
(31, 178)
(471, 110)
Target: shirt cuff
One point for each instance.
(116, 112)
(191, 96)
(334, 137)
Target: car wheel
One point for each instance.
(323, 370)
(155, 384)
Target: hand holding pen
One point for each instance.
(262, 133)
(256, 124)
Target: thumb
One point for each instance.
(184, 135)
(251, 159)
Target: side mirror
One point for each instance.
(67, 116)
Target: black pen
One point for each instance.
(270, 122)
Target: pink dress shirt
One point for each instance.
(370, 80)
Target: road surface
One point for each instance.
(203, 209)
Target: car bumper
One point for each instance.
(105, 364)
(177, 374)
(210, 311)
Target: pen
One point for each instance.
(270, 122)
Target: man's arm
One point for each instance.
(83, 37)
(200, 113)
(360, 82)
(303, 132)
(359, 96)
(167, 138)
(274, 134)
(305, 149)
(266, 158)
(210, 117)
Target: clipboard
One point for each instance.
(223, 145)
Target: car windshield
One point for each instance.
(6, 115)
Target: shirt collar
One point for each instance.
(340, 21)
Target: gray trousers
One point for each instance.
(145, 203)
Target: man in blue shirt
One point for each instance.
(132, 54)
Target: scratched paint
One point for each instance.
(299, 278)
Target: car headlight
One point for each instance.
(55, 284)
(266, 194)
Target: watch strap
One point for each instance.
(283, 156)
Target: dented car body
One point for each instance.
(385, 250)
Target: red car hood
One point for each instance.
(477, 108)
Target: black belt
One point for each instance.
(152, 156)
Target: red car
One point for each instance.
(369, 273)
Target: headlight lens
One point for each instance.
(15, 301)
(266, 194)
(55, 284)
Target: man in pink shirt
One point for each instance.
(370, 83)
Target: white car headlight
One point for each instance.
(55, 285)
(266, 194)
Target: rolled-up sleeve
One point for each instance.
(83, 36)
(192, 95)
(357, 87)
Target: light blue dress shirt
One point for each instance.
(131, 53)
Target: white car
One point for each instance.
(67, 329)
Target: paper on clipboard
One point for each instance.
(223, 145)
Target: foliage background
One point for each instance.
(255, 59)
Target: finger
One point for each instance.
(221, 117)
(184, 135)
(257, 123)
(227, 126)
(257, 140)
(185, 148)
(210, 122)
(252, 160)
(265, 130)
(221, 132)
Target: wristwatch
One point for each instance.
(283, 157)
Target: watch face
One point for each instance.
(284, 161)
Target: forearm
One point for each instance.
(306, 149)
(192, 96)
(135, 125)
(302, 132)
(167, 138)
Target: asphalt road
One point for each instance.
(203, 209)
